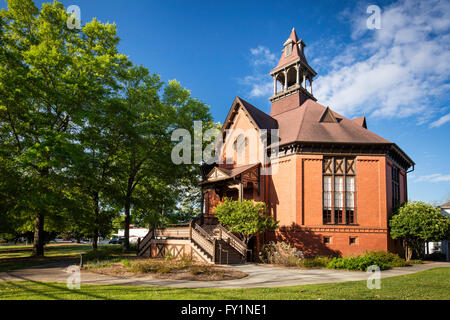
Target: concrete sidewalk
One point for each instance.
(258, 276)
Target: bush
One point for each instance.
(415, 261)
(145, 266)
(126, 262)
(384, 260)
(280, 253)
(317, 262)
(98, 265)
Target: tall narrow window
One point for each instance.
(395, 187)
(327, 203)
(338, 198)
(339, 190)
(350, 199)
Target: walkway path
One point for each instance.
(258, 276)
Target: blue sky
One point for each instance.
(398, 76)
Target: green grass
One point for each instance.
(19, 257)
(430, 284)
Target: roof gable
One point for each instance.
(303, 124)
(361, 121)
(258, 118)
(328, 116)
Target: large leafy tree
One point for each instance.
(49, 77)
(144, 159)
(246, 217)
(417, 222)
(83, 132)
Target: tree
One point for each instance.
(144, 158)
(417, 222)
(49, 76)
(246, 217)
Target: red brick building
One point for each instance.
(335, 184)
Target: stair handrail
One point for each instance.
(235, 242)
(143, 243)
(203, 240)
(203, 232)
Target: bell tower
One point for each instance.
(292, 77)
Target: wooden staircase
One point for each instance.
(210, 243)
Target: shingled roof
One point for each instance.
(311, 122)
(261, 119)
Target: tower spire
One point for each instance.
(290, 77)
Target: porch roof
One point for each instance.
(222, 174)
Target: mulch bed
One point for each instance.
(195, 272)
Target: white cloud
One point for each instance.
(259, 83)
(261, 55)
(441, 121)
(436, 177)
(401, 70)
(396, 71)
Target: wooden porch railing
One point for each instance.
(201, 238)
(145, 243)
(232, 240)
(207, 240)
(173, 233)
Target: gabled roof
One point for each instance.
(328, 116)
(303, 124)
(219, 174)
(261, 119)
(310, 122)
(361, 121)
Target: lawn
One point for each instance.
(430, 284)
(19, 257)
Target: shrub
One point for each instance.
(317, 262)
(98, 265)
(126, 262)
(186, 261)
(415, 261)
(384, 260)
(144, 266)
(280, 253)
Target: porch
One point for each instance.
(208, 243)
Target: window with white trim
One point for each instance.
(339, 190)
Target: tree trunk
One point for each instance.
(38, 246)
(408, 250)
(126, 243)
(96, 222)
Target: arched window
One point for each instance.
(240, 143)
(292, 76)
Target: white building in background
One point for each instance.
(135, 233)
(442, 246)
